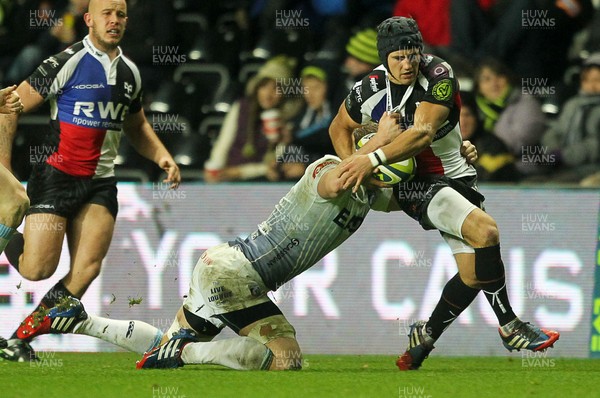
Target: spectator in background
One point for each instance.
(245, 145)
(433, 18)
(574, 138)
(61, 29)
(15, 28)
(307, 139)
(495, 162)
(362, 57)
(515, 118)
(530, 36)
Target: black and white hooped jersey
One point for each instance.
(90, 96)
(435, 83)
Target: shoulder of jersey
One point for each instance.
(58, 60)
(433, 67)
(375, 81)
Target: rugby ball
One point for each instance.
(393, 173)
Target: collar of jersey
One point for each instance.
(99, 55)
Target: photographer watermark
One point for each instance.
(537, 19)
(166, 392)
(413, 391)
(167, 55)
(537, 222)
(289, 359)
(536, 359)
(282, 292)
(163, 190)
(418, 260)
(44, 19)
(405, 325)
(290, 154)
(46, 359)
(290, 87)
(538, 155)
(41, 153)
(533, 292)
(290, 19)
(167, 123)
(537, 86)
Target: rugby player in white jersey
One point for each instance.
(443, 195)
(230, 281)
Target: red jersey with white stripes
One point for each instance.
(90, 96)
(435, 83)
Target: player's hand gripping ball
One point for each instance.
(393, 173)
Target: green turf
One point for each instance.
(108, 375)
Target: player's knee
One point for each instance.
(33, 273)
(13, 209)
(490, 235)
(486, 233)
(286, 357)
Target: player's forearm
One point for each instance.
(408, 144)
(341, 139)
(8, 129)
(146, 143)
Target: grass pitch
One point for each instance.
(77, 375)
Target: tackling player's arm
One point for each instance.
(145, 141)
(30, 99)
(330, 185)
(429, 118)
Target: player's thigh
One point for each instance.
(89, 236)
(279, 336)
(43, 234)
(13, 199)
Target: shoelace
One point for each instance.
(527, 331)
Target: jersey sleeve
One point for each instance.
(443, 86)
(52, 74)
(354, 102)
(318, 169)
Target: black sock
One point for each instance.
(14, 249)
(490, 273)
(50, 299)
(456, 296)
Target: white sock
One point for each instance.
(240, 353)
(134, 336)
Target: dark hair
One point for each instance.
(495, 66)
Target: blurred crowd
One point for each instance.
(246, 90)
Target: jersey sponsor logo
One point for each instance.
(373, 82)
(219, 293)
(129, 88)
(442, 90)
(130, 330)
(87, 86)
(357, 92)
(320, 167)
(52, 61)
(345, 222)
(284, 251)
(88, 109)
